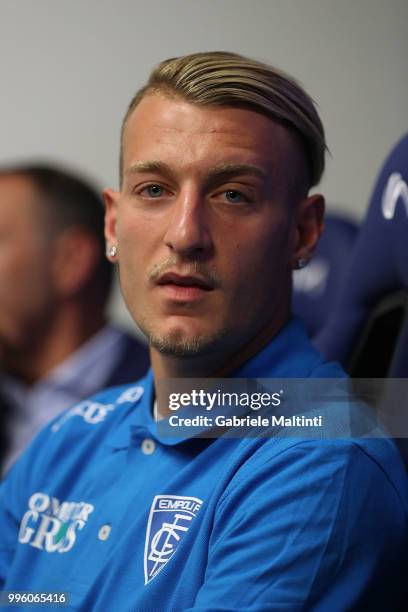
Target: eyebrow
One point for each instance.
(149, 166)
(215, 174)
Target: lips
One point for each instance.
(179, 280)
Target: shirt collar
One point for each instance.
(288, 355)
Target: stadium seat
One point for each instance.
(316, 285)
(367, 330)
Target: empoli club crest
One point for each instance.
(169, 519)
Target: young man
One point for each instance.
(218, 155)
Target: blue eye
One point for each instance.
(235, 197)
(154, 191)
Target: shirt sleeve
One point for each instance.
(319, 527)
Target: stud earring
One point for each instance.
(301, 263)
(112, 250)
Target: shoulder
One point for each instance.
(354, 472)
(104, 407)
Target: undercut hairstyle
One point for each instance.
(69, 201)
(221, 78)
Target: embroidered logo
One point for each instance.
(52, 525)
(169, 519)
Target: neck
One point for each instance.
(66, 332)
(220, 364)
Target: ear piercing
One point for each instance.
(112, 250)
(301, 263)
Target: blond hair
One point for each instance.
(220, 78)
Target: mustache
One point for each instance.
(191, 268)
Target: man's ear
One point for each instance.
(309, 226)
(75, 258)
(110, 197)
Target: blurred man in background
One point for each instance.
(55, 344)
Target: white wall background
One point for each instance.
(69, 69)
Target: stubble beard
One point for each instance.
(177, 344)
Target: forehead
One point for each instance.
(183, 134)
(16, 186)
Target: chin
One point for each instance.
(179, 342)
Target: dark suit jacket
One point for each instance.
(132, 365)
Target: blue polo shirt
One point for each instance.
(104, 509)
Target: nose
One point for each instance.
(188, 233)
